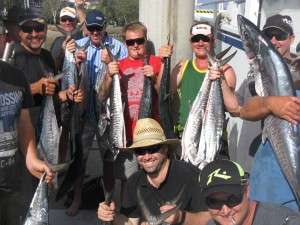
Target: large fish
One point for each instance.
(277, 81)
(165, 111)
(146, 100)
(38, 212)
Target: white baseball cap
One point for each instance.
(201, 28)
(68, 11)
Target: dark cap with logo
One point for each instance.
(222, 176)
(31, 15)
(95, 17)
(282, 22)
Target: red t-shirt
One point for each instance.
(132, 83)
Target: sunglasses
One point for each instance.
(94, 28)
(37, 27)
(149, 150)
(200, 37)
(138, 41)
(230, 201)
(65, 19)
(277, 33)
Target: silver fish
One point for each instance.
(277, 81)
(38, 212)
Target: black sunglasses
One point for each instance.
(65, 19)
(37, 27)
(94, 28)
(138, 41)
(198, 37)
(277, 33)
(230, 201)
(149, 150)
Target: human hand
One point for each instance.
(165, 51)
(215, 73)
(106, 212)
(80, 56)
(105, 56)
(38, 167)
(285, 107)
(113, 68)
(148, 71)
(71, 46)
(46, 86)
(174, 218)
(64, 44)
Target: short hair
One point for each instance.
(203, 22)
(134, 26)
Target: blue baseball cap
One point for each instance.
(95, 17)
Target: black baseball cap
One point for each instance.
(282, 22)
(30, 15)
(223, 176)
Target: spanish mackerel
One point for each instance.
(146, 100)
(38, 212)
(277, 81)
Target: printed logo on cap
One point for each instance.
(216, 173)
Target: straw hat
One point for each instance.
(148, 132)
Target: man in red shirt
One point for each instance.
(132, 72)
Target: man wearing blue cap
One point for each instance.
(95, 62)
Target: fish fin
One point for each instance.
(226, 60)
(221, 54)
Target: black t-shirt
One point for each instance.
(180, 174)
(14, 95)
(35, 66)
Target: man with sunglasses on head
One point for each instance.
(226, 192)
(95, 59)
(268, 184)
(162, 182)
(188, 75)
(16, 132)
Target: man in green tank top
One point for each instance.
(188, 75)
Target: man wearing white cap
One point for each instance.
(188, 75)
(67, 22)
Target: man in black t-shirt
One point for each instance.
(162, 183)
(15, 130)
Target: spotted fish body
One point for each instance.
(277, 81)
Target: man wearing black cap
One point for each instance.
(266, 173)
(15, 128)
(96, 25)
(225, 189)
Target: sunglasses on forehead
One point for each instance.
(230, 200)
(149, 150)
(277, 33)
(200, 37)
(94, 28)
(138, 41)
(37, 27)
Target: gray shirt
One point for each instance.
(271, 214)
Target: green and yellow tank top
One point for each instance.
(191, 81)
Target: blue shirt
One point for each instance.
(267, 181)
(95, 67)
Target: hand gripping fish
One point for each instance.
(277, 81)
(159, 219)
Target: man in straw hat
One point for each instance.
(162, 182)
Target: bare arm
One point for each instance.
(285, 107)
(27, 143)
